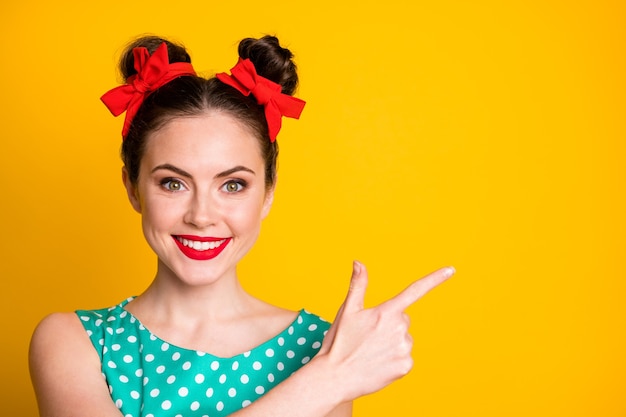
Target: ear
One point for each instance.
(131, 191)
(269, 199)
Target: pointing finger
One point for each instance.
(419, 288)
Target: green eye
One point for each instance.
(233, 187)
(172, 185)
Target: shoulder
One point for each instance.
(65, 368)
(309, 328)
(301, 322)
(57, 327)
(100, 318)
(61, 335)
(58, 335)
(312, 320)
(59, 343)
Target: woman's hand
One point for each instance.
(370, 348)
(363, 351)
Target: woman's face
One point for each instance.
(202, 196)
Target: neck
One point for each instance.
(171, 299)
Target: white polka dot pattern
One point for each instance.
(148, 376)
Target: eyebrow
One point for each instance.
(184, 173)
(173, 168)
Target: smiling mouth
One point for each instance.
(200, 245)
(200, 248)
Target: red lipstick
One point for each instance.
(202, 254)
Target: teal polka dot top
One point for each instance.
(148, 377)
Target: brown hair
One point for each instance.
(193, 95)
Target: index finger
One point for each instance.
(419, 288)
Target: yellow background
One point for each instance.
(485, 134)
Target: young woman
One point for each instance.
(200, 167)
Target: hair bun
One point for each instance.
(175, 52)
(271, 61)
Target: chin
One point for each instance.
(200, 274)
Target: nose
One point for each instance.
(203, 211)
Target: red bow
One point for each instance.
(153, 71)
(266, 92)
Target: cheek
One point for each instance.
(161, 213)
(246, 218)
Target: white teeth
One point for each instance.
(213, 245)
(201, 246)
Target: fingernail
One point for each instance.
(356, 266)
(449, 271)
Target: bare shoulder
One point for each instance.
(57, 325)
(272, 315)
(65, 367)
(275, 319)
(58, 331)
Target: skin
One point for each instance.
(204, 176)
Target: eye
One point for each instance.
(172, 184)
(233, 186)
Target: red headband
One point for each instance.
(266, 92)
(153, 71)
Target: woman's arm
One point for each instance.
(344, 410)
(65, 370)
(66, 375)
(364, 351)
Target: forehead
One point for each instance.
(212, 138)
